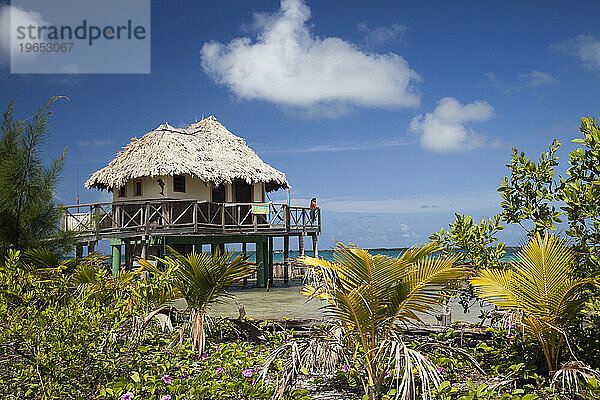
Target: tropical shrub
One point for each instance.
(226, 370)
(541, 288)
(476, 245)
(69, 329)
(586, 333)
(202, 279)
(58, 351)
(530, 191)
(370, 296)
(581, 195)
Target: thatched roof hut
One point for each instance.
(205, 150)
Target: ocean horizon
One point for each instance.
(328, 254)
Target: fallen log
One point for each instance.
(304, 326)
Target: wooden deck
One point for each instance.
(123, 220)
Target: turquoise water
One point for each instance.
(328, 254)
(287, 302)
(281, 302)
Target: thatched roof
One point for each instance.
(205, 150)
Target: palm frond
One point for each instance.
(422, 285)
(498, 286)
(542, 286)
(323, 353)
(368, 294)
(203, 279)
(573, 377)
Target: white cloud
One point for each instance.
(499, 84)
(349, 146)
(461, 202)
(562, 130)
(444, 129)
(586, 48)
(537, 79)
(533, 80)
(405, 231)
(288, 65)
(381, 34)
(17, 17)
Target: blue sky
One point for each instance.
(393, 114)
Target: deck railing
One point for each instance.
(171, 217)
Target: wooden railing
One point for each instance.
(171, 217)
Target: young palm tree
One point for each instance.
(371, 296)
(543, 287)
(99, 285)
(203, 279)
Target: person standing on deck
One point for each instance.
(313, 209)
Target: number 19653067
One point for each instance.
(46, 47)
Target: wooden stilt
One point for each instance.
(260, 264)
(79, 250)
(244, 254)
(128, 255)
(116, 258)
(301, 244)
(315, 243)
(286, 259)
(91, 247)
(270, 272)
(265, 245)
(144, 251)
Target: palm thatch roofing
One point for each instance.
(205, 150)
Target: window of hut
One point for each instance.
(138, 188)
(123, 191)
(179, 183)
(218, 194)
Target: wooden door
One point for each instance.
(242, 193)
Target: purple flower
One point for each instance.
(184, 376)
(127, 396)
(204, 356)
(508, 335)
(345, 368)
(440, 370)
(166, 397)
(166, 379)
(247, 373)
(220, 370)
(252, 381)
(388, 374)
(218, 348)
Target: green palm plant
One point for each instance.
(203, 279)
(371, 296)
(99, 285)
(55, 279)
(541, 285)
(155, 288)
